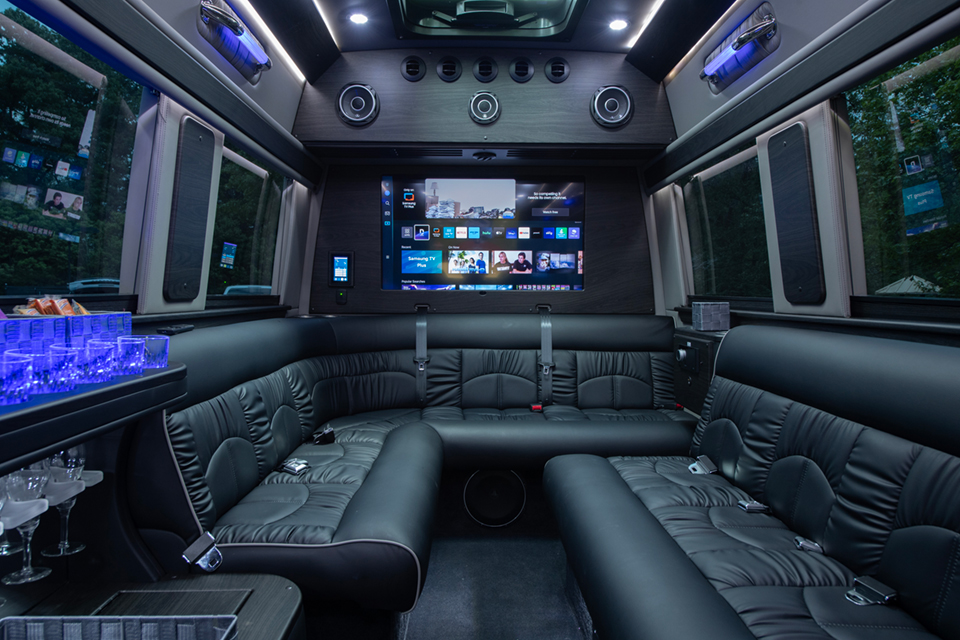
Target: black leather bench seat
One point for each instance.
(878, 503)
(347, 528)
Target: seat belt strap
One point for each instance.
(546, 356)
(421, 358)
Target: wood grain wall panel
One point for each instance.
(434, 112)
(617, 274)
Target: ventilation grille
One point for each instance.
(428, 153)
(448, 69)
(413, 68)
(521, 69)
(557, 69)
(485, 69)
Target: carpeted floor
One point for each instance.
(494, 589)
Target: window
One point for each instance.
(245, 231)
(67, 128)
(906, 137)
(728, 244)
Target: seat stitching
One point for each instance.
(947, 583)
(796, 496)
(865, 626)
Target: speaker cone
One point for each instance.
(358, 105)
(484, 107)
(611, 106)
(494, 498)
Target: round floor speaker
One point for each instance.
(494, 498)
(484, 107)
(611, 106)
(358, 105)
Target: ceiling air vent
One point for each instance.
(485, 69)
(557, 69)
(485, 156)
(448, 69)
(413, 68)
(521, 69)
(428, 153)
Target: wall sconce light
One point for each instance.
(753, 40)
(223, 29)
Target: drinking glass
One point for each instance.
(44, 370)
(101, 360)
(6, 549)
(69, 363)
(65, 466)
(156, 350)
(27, 484)
(16, 374)
(130, 352)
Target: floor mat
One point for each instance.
(494, 589)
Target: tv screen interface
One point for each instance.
(482, 234)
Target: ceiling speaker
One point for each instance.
(611, 106)
(484, 107)
(358, 105)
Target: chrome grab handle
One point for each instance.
(766, 28)
(210, 11)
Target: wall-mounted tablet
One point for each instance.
(341, 269)
(482, 234)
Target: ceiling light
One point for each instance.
(358, 18)
(618, 25)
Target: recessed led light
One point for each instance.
(358, 18)
(618, 25)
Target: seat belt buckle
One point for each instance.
(867, 591)
(294, 466)
(203, 552)
(807, 545)
(421, 363)
(326, 436)
(703, 466)
(547, 367)
(752, 506)
(536, 408)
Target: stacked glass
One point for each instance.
(59, 368)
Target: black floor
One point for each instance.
(492, 589)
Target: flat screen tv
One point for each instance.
(471, 234)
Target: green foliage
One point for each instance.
(727, 238)
(30, 82)
(248, 215)
(913, 109)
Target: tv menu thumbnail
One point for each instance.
(486, 234)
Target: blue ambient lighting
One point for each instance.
(722, 58)
(255, 50)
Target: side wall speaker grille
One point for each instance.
(611, 106)
(358, 105)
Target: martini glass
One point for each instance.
(65, 466)
(27, 484)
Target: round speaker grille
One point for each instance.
(358, 105)
(611, 106)
(494, 498)
(484, 107)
